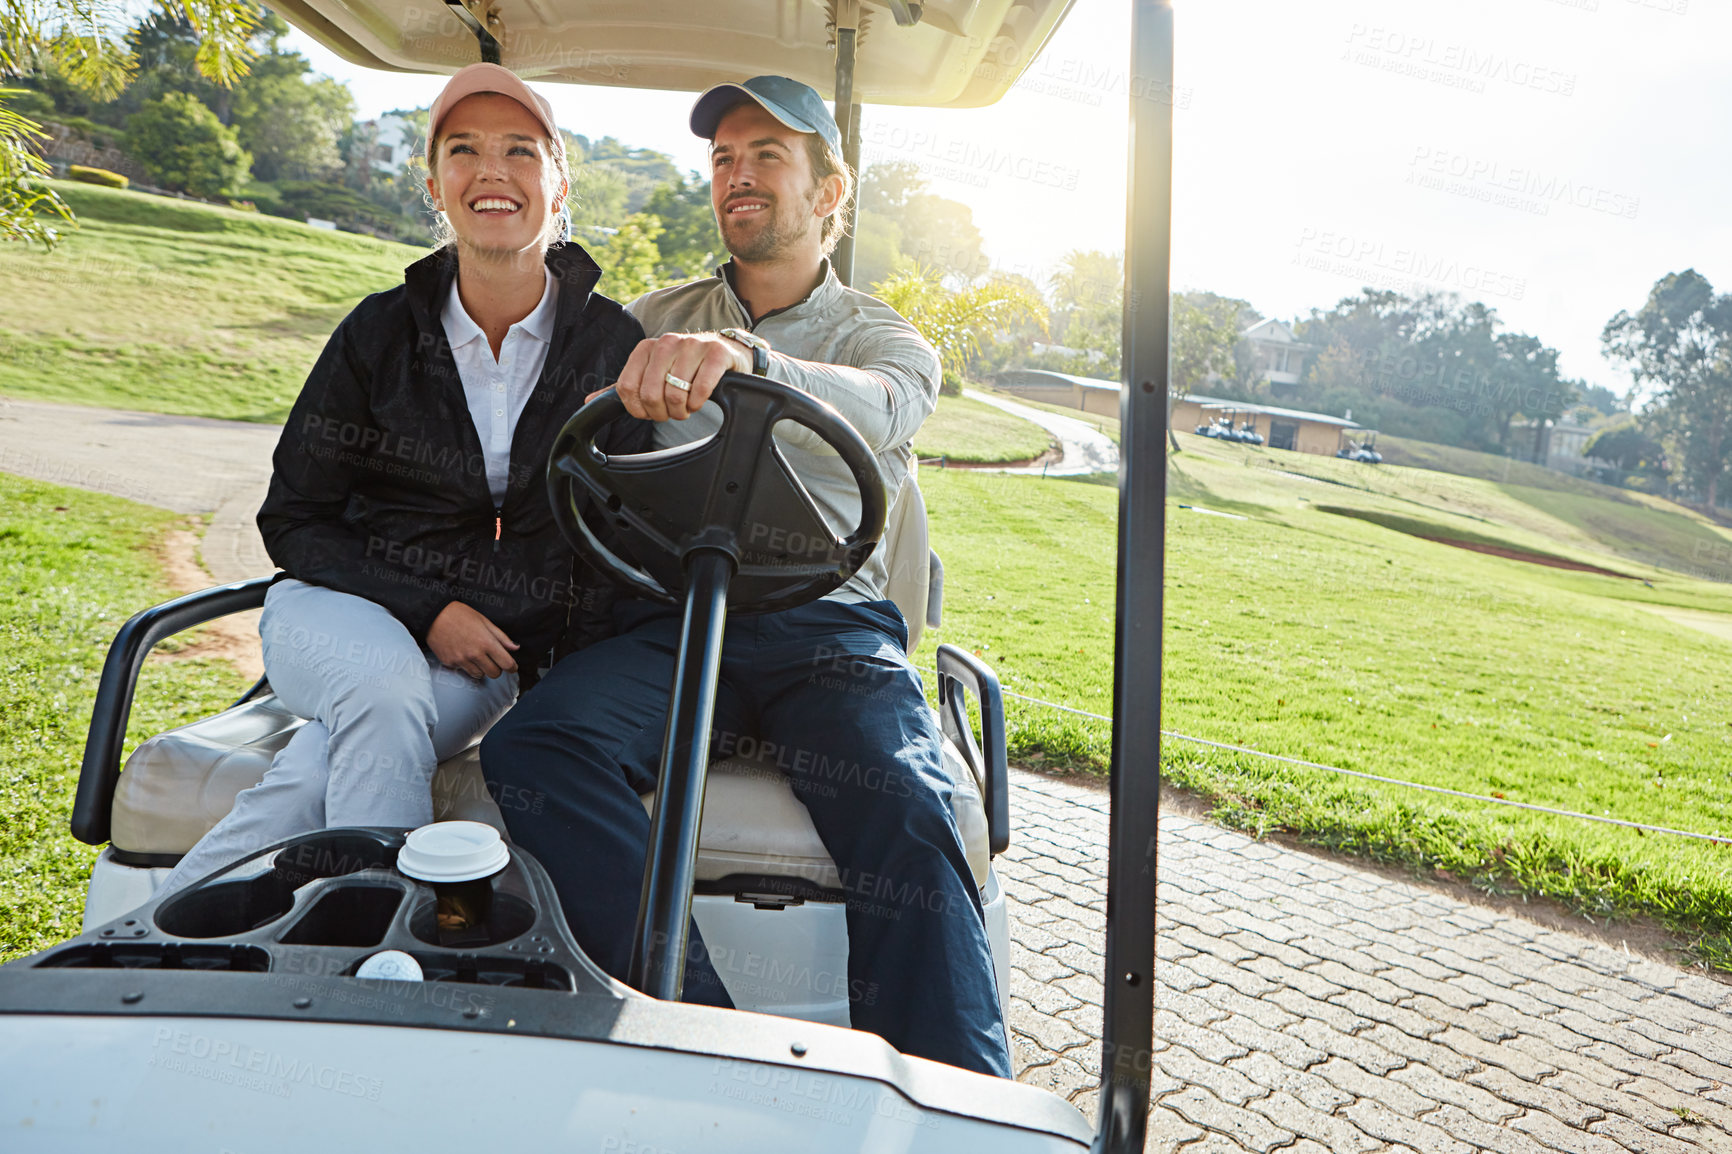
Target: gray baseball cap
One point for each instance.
(797, 105)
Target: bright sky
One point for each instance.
(1550, 157)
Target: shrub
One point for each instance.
(300, 199)
(96, 176)
(185, 148)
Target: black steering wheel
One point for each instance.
(733, 492)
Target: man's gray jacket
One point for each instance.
(841, 346)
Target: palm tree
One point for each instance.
(956, 320)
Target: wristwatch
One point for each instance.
(759, 346)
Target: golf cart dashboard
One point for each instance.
(311, 912)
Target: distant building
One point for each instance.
(1281, 428)
(1555, 444)
(1278, 355)
(392, 140)
(1293, 429)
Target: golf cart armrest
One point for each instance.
(100, 770)
(959, 673)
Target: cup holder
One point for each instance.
(510, 917)
(332, 855)
(347, 915)
(223, 909)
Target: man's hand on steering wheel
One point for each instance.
(462, 638)
(650, 384)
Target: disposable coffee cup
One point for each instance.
(459, 859)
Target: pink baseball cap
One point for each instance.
(475, 78)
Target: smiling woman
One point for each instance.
(421, 567)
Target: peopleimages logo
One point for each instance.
(1379, 265)
(1512, 185)
(1452, 65)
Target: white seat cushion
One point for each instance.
(178, 784)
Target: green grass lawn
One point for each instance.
(176, 307)
(1339, 640)
(964, 429)
(78, 564)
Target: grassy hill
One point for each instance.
(966, 430)
(1352, 641)
(178, 307)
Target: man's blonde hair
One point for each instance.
(825, 163)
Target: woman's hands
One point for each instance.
(463, 638)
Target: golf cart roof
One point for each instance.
(947, 53)
(1210, 403)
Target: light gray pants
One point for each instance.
(382, 713)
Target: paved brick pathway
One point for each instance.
(1307, 1007)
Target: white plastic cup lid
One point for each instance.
(453, 851)
(391, 966)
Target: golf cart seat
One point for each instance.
(756, 836)
(179, 784)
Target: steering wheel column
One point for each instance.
(722, 524)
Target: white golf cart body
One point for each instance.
(254, 1034)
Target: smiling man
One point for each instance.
(588, 738)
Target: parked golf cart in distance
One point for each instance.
(1363, 450)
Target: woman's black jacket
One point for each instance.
(379, 487)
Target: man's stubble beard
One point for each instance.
(775, 240)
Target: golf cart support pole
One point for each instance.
(847, 115)
(665, 907)
(1129, 1004)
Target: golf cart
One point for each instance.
(1224, 426)
(242, 1009)
(1220, 426)
(1363, 450)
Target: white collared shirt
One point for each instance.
(498, 390)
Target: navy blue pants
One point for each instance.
(831, 685)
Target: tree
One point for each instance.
(185, 148)
(690, 243)
(898, 217)
(877, 247)
(1627, 446)
(1088, 314)
(1679, 344)
(1010, 341)
(955, 321)
(1204, 328)
(1431, 367)
(628, 258)
(886, 188)
(597, 201)
(291, 124)
(84, 41)
(28, 208)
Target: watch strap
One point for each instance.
(758, 345)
